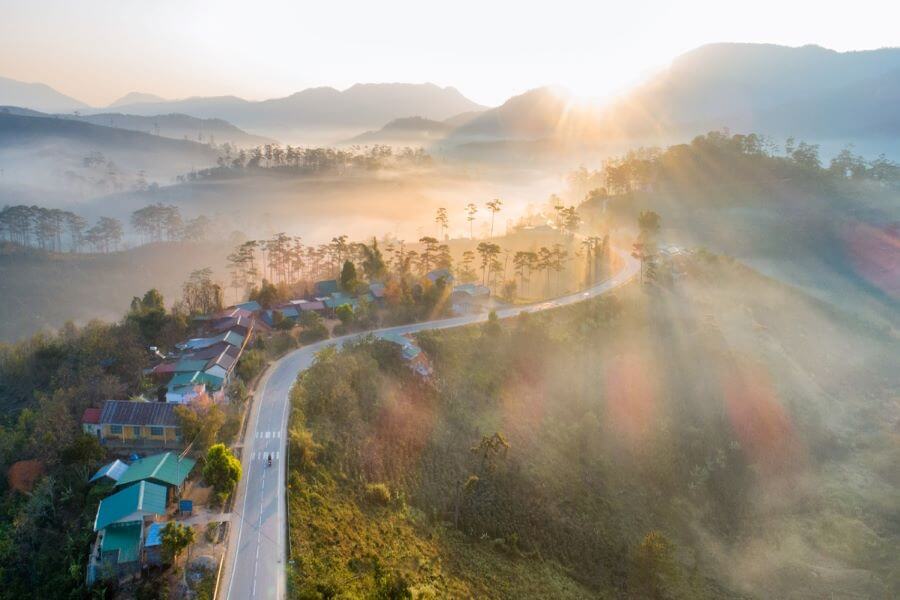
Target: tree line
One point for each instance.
(645, 169)
(232, 160)
(57, 230)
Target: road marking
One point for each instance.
(268, 434)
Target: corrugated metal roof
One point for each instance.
(253, 306)
(165, 467)
(407, 346)
(124, 412)
(91, 416)
(113, 470)
(154, 534)
(195, 378)
(189, 365)
(131, 504)
(125, 539)
(323, 288)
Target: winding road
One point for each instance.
(254, 561)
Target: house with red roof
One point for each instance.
(90, 421)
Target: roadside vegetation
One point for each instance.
(642, 445)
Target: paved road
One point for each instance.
(254, 561)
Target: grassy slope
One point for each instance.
(336, 532)
(42, 291)
(748, 422)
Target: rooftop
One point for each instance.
(131, 504)
(165, 467)
(124, 540)
(125, 412)
(154, 534)
(91, 416)
(113, 470)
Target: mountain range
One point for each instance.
(780, 91)
(360, 106)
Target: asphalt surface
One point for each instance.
(254, 565)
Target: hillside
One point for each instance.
(95, 286)
(86, 159)
(407, 131)
(622, 467)
(175, 126)
(834, 236)
(37, 96)
(733, 85)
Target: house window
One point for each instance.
(117, 429)
(156, 431)
(136, 430)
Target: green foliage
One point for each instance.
(200, 423)
(222, 470)
(348, 277)
(313, 327)
(344, 312)
(251, 364)
(654, 573)
(378, 493)
(175, 539)
(266, 294)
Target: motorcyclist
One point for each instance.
(270, 460)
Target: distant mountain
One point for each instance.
(764, 86)
(407, 131)
(173, 126)
(859, 110)
(360, 106)
(819, 94)
(462, 118)
(539, 114)
(136, 98)
(179, 126)
(36, 96)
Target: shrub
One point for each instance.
(378, 493)
(222, 470)
(251, 364)
(313, 327)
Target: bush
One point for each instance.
(222, 470)
(251, 364)
(280, 344)
(378, 493)
(313, 327)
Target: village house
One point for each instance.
(90, 421)
(119, 523)
(470, 298)
(413, 356)
(167, 470)
(139, 424)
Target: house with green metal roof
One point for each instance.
(167, 470)
(131, 505)
(120, 550)
(120, 525)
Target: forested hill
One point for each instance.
(830, 228)
(17, 130)
(176, 126)
(702, 438)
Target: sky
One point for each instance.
(99, 50)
